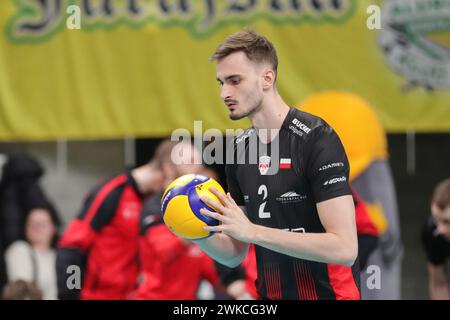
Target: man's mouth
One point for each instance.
(231, 105)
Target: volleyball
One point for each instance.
(181, 204)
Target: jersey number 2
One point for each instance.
(261, 213)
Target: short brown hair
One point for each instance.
(163, 151)
(441, 195)
(255, 46)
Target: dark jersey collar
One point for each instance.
(134, 185)
(287, 120)
(289, 117)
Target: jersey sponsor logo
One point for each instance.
(246, 198)
(291, 196)
(295, 130)
(243, 136)
(285, 163)
(335, 180)
(331, 165)
(130, 210)
(149, 220)
(264, 165)
(301, 125)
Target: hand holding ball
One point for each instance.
(181, 204)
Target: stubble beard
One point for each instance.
(256, 105)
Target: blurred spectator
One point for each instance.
(33, 260)
(103, 239)
(172, 268)
(436, 241)
(19, 190)
(21, 290)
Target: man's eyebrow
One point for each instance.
(232, 76)
(229, 77)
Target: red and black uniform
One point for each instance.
(280, 190)
(251, 272)
(103, 241)
(367, 242)
(172, 269)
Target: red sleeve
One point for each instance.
(209, 271)
(98, 210)
(166, 246)
(77, 235)
(364, 225)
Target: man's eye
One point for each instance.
(235, 81)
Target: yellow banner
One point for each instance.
(82, 69)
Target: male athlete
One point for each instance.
(436, 242)
(295, 206)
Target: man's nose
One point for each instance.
(225, 93)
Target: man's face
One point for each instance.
(241, 80)
(442, 218)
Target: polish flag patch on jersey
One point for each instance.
(285, 163)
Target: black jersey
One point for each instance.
(280, 190)
(437, 248)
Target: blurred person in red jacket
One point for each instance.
(172, 268)
(103, 239)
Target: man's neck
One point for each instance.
(142, 175)
(272, 113)
(42, 247)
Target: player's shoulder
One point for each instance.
(108, 186)
(305, 125)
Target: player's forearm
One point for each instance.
(224, 249)
(319, 247)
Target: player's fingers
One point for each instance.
(211, 214)
(231, 200)
(214, 228)
(212, 203)
(221, 196)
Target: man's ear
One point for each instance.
(268, 79)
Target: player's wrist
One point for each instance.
(254, 234)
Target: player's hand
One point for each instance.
(234, 221)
